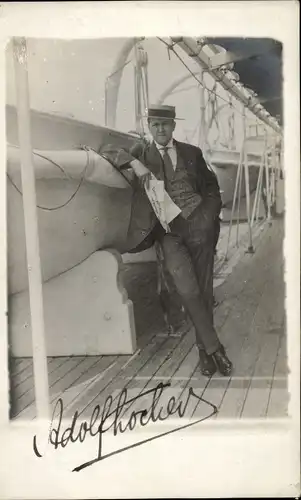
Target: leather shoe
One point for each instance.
(222, 362)
(208, 367)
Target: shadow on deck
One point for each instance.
(250, 319)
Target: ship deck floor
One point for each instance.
(250, 319)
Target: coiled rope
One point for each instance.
(83, 174)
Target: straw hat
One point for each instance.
(162, 111)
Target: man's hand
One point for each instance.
(142, 172)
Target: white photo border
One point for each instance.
(221, 459)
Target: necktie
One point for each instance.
(168, 166)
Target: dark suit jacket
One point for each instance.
(201, 178)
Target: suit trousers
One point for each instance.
(189, 258)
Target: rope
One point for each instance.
(119, 69)
(50, 209)
(45, 158)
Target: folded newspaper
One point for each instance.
(165, 209)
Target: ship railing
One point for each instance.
(268, 174)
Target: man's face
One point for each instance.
(161, 130)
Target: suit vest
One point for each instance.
(180, 190)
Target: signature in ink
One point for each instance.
(99, 425)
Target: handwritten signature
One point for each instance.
(99, 425)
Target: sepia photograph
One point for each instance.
(145, 230)
(189, 292)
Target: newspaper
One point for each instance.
(165, 209)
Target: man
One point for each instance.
(189, 246)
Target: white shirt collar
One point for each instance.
(169, 145)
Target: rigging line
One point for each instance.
(105, 157)
(51, 209)
(170, 47)
(54, 163)
(45, 158)
(194, 76)
(118, 69)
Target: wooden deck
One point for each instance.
(250, 319)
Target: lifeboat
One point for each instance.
(84, 202)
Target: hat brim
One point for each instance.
(162, 117)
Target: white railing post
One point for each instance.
(255, 211)
(268, 191)
(31, 231)
(247, 185)
(236, 189)
(241, 176)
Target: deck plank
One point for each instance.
(25, 387)
(227, 393)
(147, 373)
(269, 332)
(144, 378)
(223, 268)
(247, 318)
(27, 383)
(188, 375)
(58, 389)
(230, 290)
(68, 387)
(183, 378)
(18, 365)
(91, 376)
(281, 367)
(279, 397)
(132, 372)
(186, 369)
(105, 371)
(74, 381)
(20, 378)
(166, 372)
(122, 380)
(258, 393)
(117, 375)
(28, 398)
(72, 375)
(233, 401)
(177, 355)
(194, 380)
(245, 352)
